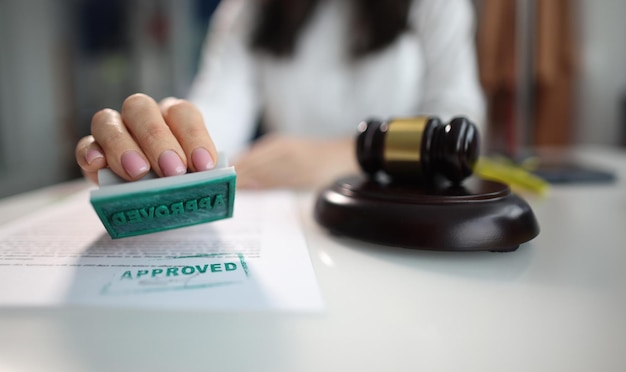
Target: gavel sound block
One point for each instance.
(477, 216)
(415, 192)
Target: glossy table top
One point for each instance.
(556, 304)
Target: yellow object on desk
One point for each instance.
(516, 176)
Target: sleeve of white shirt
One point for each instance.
(225, 87)
(446, 30)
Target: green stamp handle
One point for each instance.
(156, 204)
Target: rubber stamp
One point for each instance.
(155, 203)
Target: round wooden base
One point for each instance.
(479, 215)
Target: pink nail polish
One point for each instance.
(202, 160)
(170, 164)
(134, 164)
(93, 155)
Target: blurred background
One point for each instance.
(554, 72)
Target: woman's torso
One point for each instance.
(322, 92)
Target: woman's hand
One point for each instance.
(168, 137)
(278, 161)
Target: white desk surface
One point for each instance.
(556, 304)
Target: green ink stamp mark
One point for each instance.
(179, 274)
(155, 204)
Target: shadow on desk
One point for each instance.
(506, 266)
(97, 339)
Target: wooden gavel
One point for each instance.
(418, 148)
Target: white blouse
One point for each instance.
(320, 91)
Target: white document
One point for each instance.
(257, 260)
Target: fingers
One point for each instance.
(90, 157)
(255, 160)
(169, 137)
(280, 161)
(187, 125)
(142, 116)
(271, 162)
(122, 153)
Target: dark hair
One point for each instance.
(375, 24)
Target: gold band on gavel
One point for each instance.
(403, 143)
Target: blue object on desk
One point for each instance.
(570, 172)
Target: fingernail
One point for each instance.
(170, 164)
(93, 155)
(202, 160)
(134, 164)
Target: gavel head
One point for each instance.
(418, 149)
